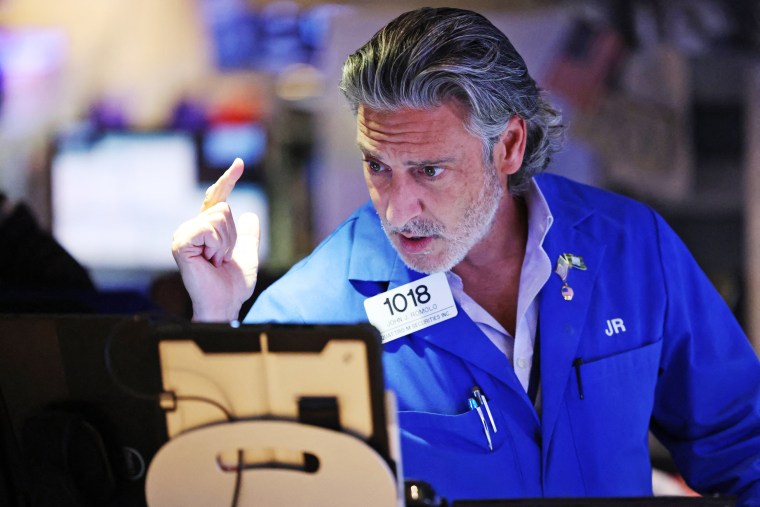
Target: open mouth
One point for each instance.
(414, 244)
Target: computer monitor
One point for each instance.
(118, 196)
(86, 401)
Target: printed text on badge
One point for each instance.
(411, 307)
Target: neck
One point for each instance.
(491, 271)
(503, 244)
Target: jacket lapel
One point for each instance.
(562, 322)
(459, 335)
(463, 338)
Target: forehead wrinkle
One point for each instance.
(394, 123)
(379, 132)
(366, 150)
(416, 137)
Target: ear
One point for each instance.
(509, 149)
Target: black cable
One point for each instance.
(157, 397)
(238, 479)
(154, 397)
(208, 401)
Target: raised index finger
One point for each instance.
(219, 191)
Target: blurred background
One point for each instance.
(117, 114)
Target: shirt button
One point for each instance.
(522, 363)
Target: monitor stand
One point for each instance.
(188, 470)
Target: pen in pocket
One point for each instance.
(577, 363)
(473, 404)
(481, 398)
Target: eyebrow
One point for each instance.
(409, 163)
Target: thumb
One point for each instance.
(248, 227)
(246, 252)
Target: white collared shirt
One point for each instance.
(536, 270)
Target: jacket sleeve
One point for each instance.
(707, 402)
(272, 306)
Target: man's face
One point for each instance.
(427, 180)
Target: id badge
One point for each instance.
(411, 307)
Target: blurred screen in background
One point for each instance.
(117, 199)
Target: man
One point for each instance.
(579, 314)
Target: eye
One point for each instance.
(373, 166)
(431, 171)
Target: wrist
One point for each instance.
(212, 313)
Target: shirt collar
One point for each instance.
(540, 220)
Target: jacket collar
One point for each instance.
(373, 258)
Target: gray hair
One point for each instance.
(426, 57)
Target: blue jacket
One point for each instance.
(676, 361)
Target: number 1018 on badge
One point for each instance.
(411, 307)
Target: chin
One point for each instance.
(428, 262)
(427, 265)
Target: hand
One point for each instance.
(218, 261)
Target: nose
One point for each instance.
(404, 201)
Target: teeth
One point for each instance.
(413, 238)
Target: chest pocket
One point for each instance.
(623, 374)
(612, 418)
(460, 433)
(451, 453)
